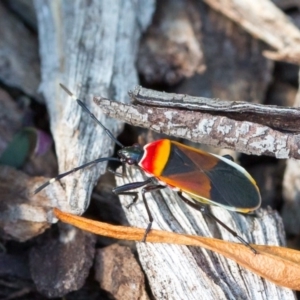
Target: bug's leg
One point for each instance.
(208, 213)
(126, 188)
(204, 210)
(133, 194)
(150, 189)
(118, 174)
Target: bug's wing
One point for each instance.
(210, 179)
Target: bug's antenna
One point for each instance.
(84, 107)
(60, 176)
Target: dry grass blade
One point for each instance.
(277, 264)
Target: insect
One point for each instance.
(206, 178)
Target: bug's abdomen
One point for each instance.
(205, 177)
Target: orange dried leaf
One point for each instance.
(287, 261)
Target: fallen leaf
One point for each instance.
(287, 261)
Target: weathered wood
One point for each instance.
(94, 43)
(20, 67)
(265, 21)
(214, 130)
(171, 48)
(22, 216)
(71, 252)
(180, 272)
(89, 46)
(286, 4)
(281, 118)
(291, 191)
(128, 284)
(24, 9)
(235, 66)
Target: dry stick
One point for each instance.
(214, 130)
(281, 118)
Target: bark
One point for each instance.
(20, 66)
(215, 130)
(291, 191)
(265, 21)
(89, 46)
(281, 118)
(180, 272)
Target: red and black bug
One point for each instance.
(206, 178)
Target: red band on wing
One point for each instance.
(155, 157)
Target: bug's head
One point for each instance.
(131, 155)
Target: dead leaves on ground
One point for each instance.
(277, 264)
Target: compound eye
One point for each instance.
(130, 161)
